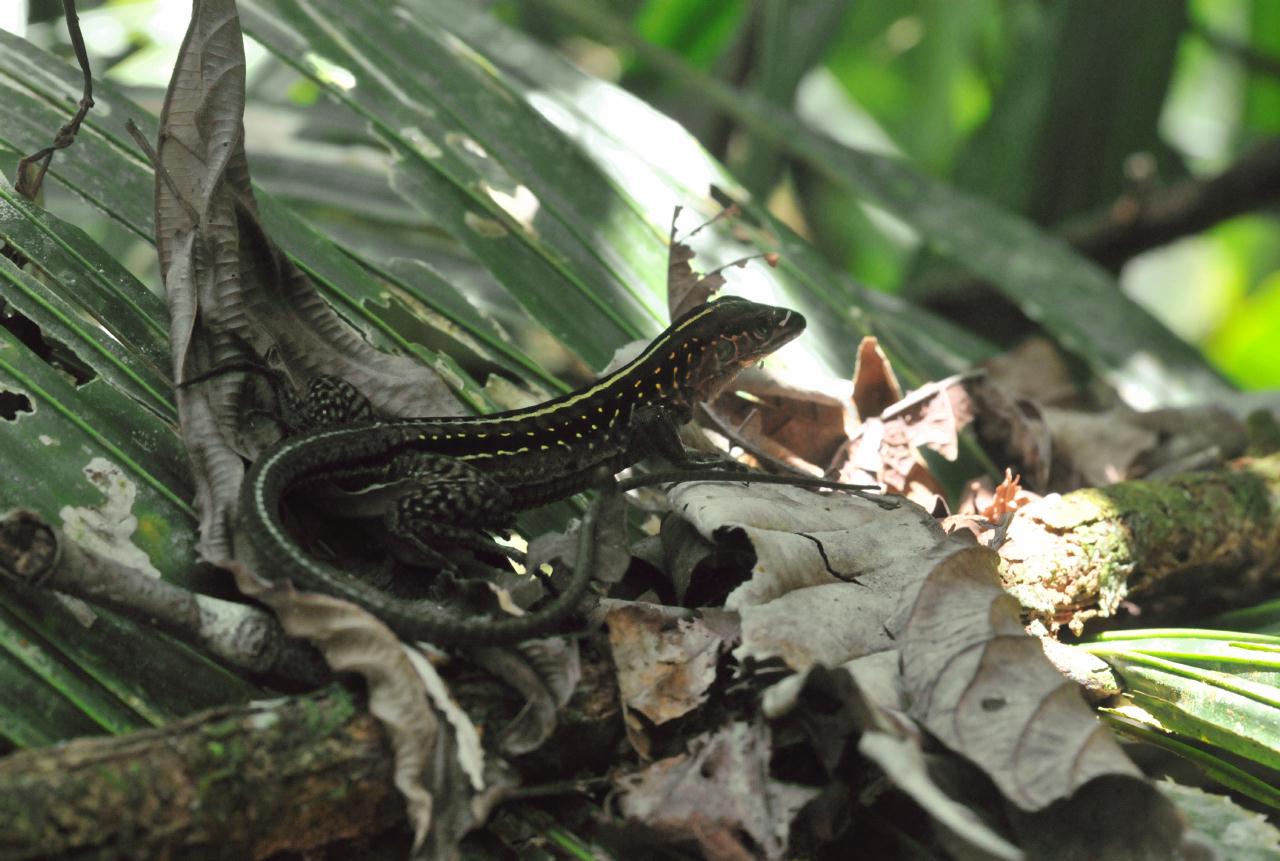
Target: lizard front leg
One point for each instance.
(655, 430)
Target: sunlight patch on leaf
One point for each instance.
(330, 72)
(521, 204)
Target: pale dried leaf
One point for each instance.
(666, 662)
(798, 605)
(352, 640)
(723, 783)
(985, 689)
(232, 294)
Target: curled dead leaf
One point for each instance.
(666, 660)
(830, 569)
(722, 786)
(979, 683)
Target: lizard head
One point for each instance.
(718, 340)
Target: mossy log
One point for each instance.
(252, 781)
(1187, 545)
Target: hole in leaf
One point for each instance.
(12, 403)
(52, 352)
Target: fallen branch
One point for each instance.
(1138, 222)
(1074, 557)
(36, 554)
(248, 782)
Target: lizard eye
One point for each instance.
(726, 351)
(762, 330)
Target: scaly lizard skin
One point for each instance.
(447, 478)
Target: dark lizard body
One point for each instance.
(447, 478)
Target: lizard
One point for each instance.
(443, 480)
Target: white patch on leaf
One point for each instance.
(107, 529)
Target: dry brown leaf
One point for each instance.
(794, 424)
(1012, 430)
(875, 387)
(984, 688)
(687, 289)
(1035, 371)
(884, 448)
(802, 602)
(722, 785)
(665, 660)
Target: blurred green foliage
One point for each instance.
(1053, 110)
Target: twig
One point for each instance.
(37, 554)
(275, 776)
(31, 169)
(1134, 224)
(865, 491)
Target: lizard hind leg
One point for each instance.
(327, 402)
(449, 504)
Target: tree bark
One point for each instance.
(249, 782)
(1074, 557)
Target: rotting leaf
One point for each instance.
(875, 388)
(979, 683)
(687, 289)
(797, 424)
(720, 789)
(830, 569)
(665, 660)
(232, 294)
